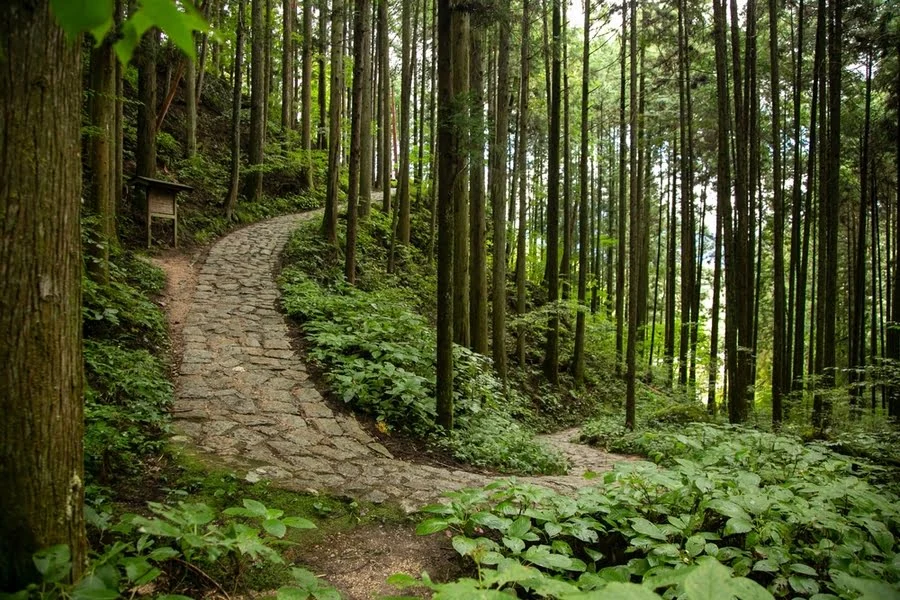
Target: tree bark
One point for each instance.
(461, 41)
(448, 165)
(551, 357)
(477, 225)
(236, 96)
(522, 161)
(583, 241)
(330, 220)
(41, 383)
(498, 199)
(362, 28)
(258, 78)
(145, 151)
(287, 66)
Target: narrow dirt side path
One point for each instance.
(244, 397)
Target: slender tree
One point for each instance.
(236, 96)
(258, 76)
(330, 221)
(551, 357)
(583, 240)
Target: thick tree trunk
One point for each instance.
(362, 32)
(551, 356)
(41, 387)
(522, 161)
(145, 152)
(634, 228)
(236, 96)
(448, 165)
(498, 199)
(306, 81)
(477, 225)
(407, 67)
(779, 383)
(100, 200)
(287, 66)
(621, 256)
(258, 76)
(583, 241)
(461, 41)
(330, 220)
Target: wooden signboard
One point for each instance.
(161, 202)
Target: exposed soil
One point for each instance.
(358, 562)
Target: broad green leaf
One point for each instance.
(139, 571)
(92, 588)
(327, 593)
(163, 553)
(737, 525)
(298, 523)
(766, 566)
(747, 589)
(463, 545)
(707, 581)
(803, 585)
(53, 563)
(519, 527)
(515, 545)
(254, 506)
(402, 580)
(82, 16)
(645, 527)
(429, 526)
(157, 527)
(275, 527)
(291, 593)
(491, 520)
(868, 589)
(804, 569)
(728, 509)
(694, 545)
(621, 591)
(552, 529)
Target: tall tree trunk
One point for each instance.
(258, 76)
(306, 81)
(623, 211)
(498, 199)
(287, 66)
(100, 201)
(779, 383)
(365, 117)
(407, 68)
(321, 138)
(461, 41)
(522, 161)
(634, 228)
(41, 387)
(831, 206)
(714, 317)
(362, 28)
(669, 345)
(145, 149)
(551, 357)
(336, 101)
(477, 225)
(236, 96)
(449, 155)
(385, 125)
(687, 199)
(583, 241)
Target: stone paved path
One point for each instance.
(244, 396)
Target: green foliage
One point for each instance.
(380, 358)
(121, 309)
(184, 543)
(792, 518)
(125, 408)
(96, 17)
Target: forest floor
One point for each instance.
(245, 400)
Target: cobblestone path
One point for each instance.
(244, 396)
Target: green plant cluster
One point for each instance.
(380, 357)
(179, 548)
(796, 519)
(127, 391)
(125, 408)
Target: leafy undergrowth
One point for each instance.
(379, 353)
(798, 520)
